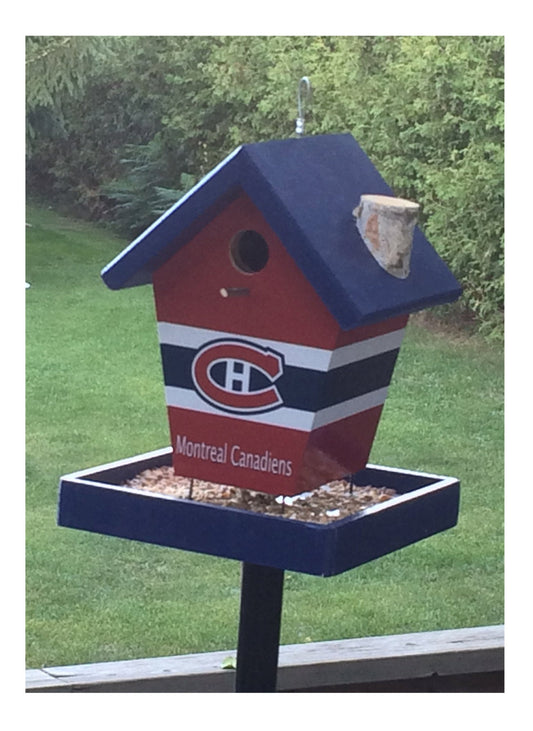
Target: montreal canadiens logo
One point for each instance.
(236, 376)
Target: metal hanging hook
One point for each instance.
(303, 101)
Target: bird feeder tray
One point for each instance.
(96, 500)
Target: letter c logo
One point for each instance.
(237, 376)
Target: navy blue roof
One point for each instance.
(306, 188)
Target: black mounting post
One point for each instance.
(259, 629)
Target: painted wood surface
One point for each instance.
(281, 303)
(301, 667)
(259, 629)
(281, 416)
(93, 500)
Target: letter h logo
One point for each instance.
(237, 376)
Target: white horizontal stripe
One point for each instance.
(283, 417)
(295, 355)
(350, 408)
(289, 418)
(366, 348)
(302, 356)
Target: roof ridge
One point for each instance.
(306, 188)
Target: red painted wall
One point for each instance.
(281, 305)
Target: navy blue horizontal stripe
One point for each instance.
(309, 390)
(300, 388)
(177, 365)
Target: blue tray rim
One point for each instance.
(85, 476)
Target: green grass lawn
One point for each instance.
(94, 394)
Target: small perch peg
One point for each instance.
(234, 291)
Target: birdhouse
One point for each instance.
(283, 282)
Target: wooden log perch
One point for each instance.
(386, 225)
